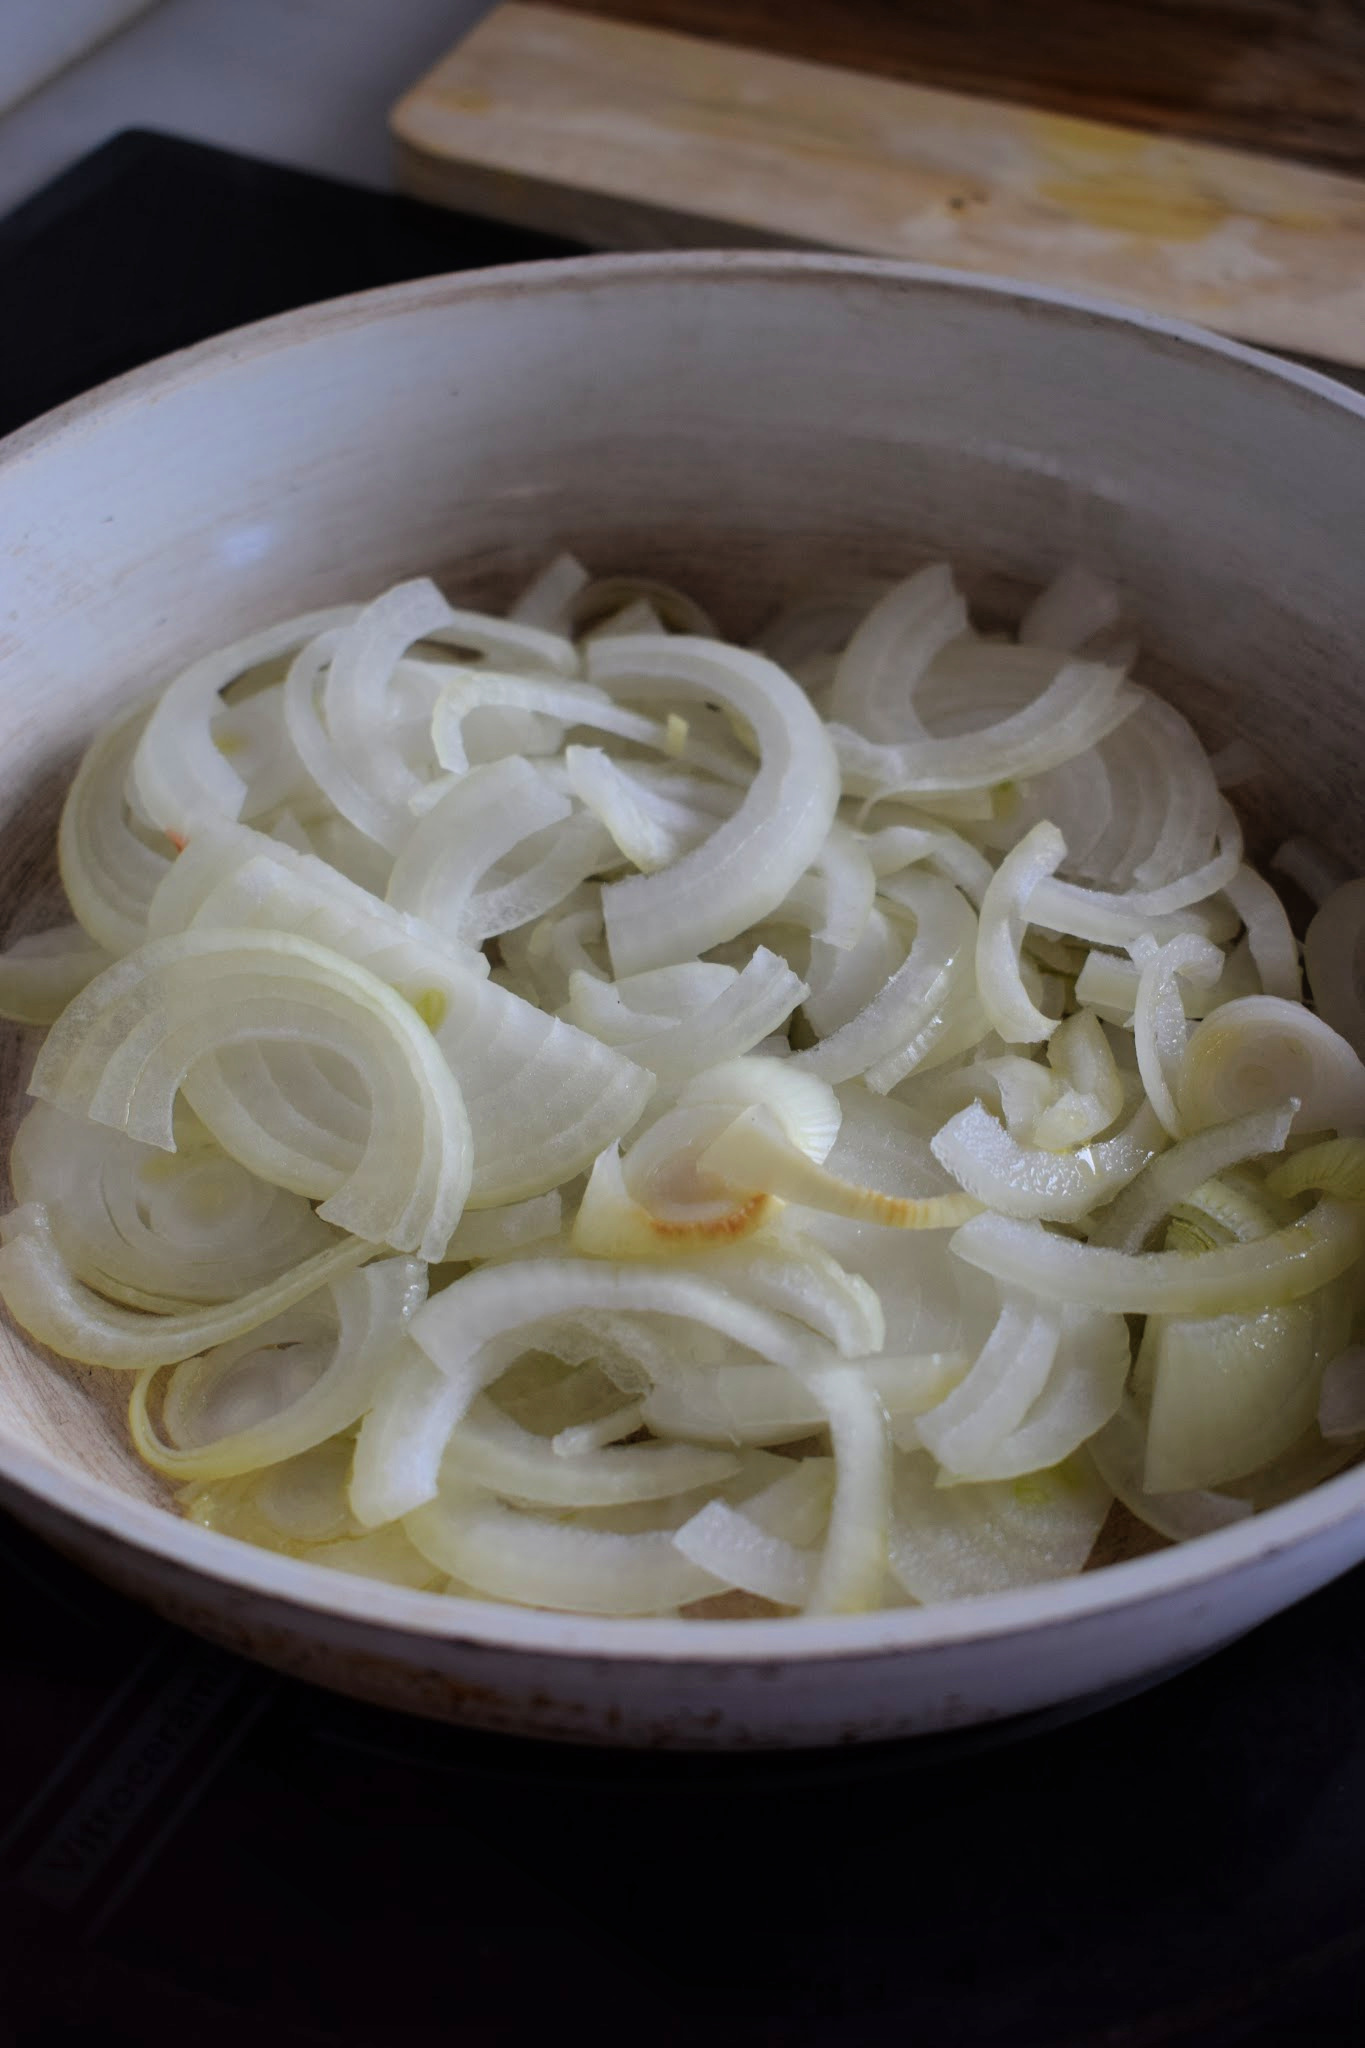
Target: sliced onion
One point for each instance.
(1229, 1393)
(492, 1452)
(1159, 1021)
(1031, 1182)
(449, 853)
(878, 1038)
(1008, 1376)
(1082, 705)
(755, 1155)
(272, 1394)
(1293, 1262)
(1005, 915)
(1270, 938)
(179, 779)
(1082, 1392)
(1259, 1050)
(1090, 1096)
(951, 1542)
(1119, 1452)
(40, 974)
(887, 657)
(848, 1578)
(125, 1047)
(1074, 607)
(110, 864)
(735, 1013)
(40, 1292)
(1128, 1223)
(751, 861)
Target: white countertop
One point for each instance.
(306, 82)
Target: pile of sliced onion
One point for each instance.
(562, 1109)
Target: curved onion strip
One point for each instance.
(153, 1232)
(638, 829)
(1006, 911)
(834, 898)
(491, 1451)
(843, 983)
(562, 858)
(1336, 1166)
(1089, 1094)
(886, 659)
(753, 1154)
(1082, 1391)
(462, 1333)
(370, 1308)
(1114, 919)
(1119, 1451)
(38, 1289)
(1006, 1379)
(1159, 1021)
(1261, 1049)
(729, 1543)
(949, 1542)
(1334, 954)
(894, 848)
(765, 1404)
(753, 1005)
(125, 1047)
(1293, 1262)
(1270, 937)
(569, 703)
(1128, 1223)
(751, 861)
(544, 1563)
(1085, 702)
(179, 779)
(40, 974)
(1031, 1183)
(108, 869)
(875, 1040)
(848, 1578)
(448, 853)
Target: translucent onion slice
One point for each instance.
(448, 854)
(44, 1298)
(841, 983)
(1336, 1166)
(735, 1013)
(885, 661)
(753, 1154)
(569, 704)
(1229, 1393)
(1128, 1223)
(612, 1224)
(462, 1332)
(1082, 1391)
(1002, 1385)
(490, 1451)
(753, 859)
(538, 1562)
(1034, 1183)
(1090, 1097)
(1260, 1049)
(129, 1043)
(894, 848)
(834, 898)
(269, 1396)
(41, 973)
(1334, 954)
(848, 1578)
(948, 1543)
(880, 1039)
(1159, 1021)
(179, 779)
(730, 1544)
(1081, 706)
(765, 1404)
(109, 866)
(1006, 911)
(156, 1232)
(1295, 1261)
(1119, 1453)
(548, 599)
(1270, 938)
(639, 830)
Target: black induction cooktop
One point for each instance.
(193, 1849)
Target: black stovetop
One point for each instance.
(193, 1848)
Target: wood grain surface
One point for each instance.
(625, 137)
(1280, 75)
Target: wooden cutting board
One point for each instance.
(617, 129)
